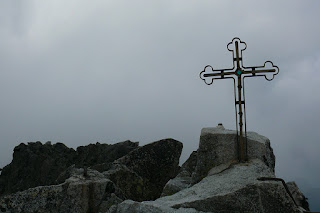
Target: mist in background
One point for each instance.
(79, 72)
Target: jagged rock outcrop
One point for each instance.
(93, 155)
(298, 196)
(139, 175)
(211, 180)
(183, 179)
(218, 150)
(218, 183)
(143, 173)
(233, 190)
(219, 146)
(77, 194)
(37, 164)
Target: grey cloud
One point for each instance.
(110, 71)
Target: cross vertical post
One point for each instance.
(242, 145)
(268, 70)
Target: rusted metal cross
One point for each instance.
(239, 71)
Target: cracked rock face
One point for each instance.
(183, 179)
(77, 194)
(219, 146)
(143, 173)
(213, 181)
(232, 190)
(139, 175)
(36, 164)
(298, 195)
(217, 152)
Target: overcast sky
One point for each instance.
(86, 71)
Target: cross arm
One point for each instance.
(260, 71)
(222, 73)
(208, 74)
(268, 70)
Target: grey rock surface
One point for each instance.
(37, 164)
(130, 206)
(217, 152)
(79, 194)
(235, 189)
(190, 163)
(93, 155)
(143, 173)
(132, 179)
(183, 179)
(34, 165)
(298, 196)
(219, 146)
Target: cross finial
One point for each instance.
(238, 73)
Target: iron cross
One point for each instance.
(238, 73)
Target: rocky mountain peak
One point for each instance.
(126, 178)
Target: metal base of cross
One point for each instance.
(242, 149)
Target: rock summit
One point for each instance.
(127, 178)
